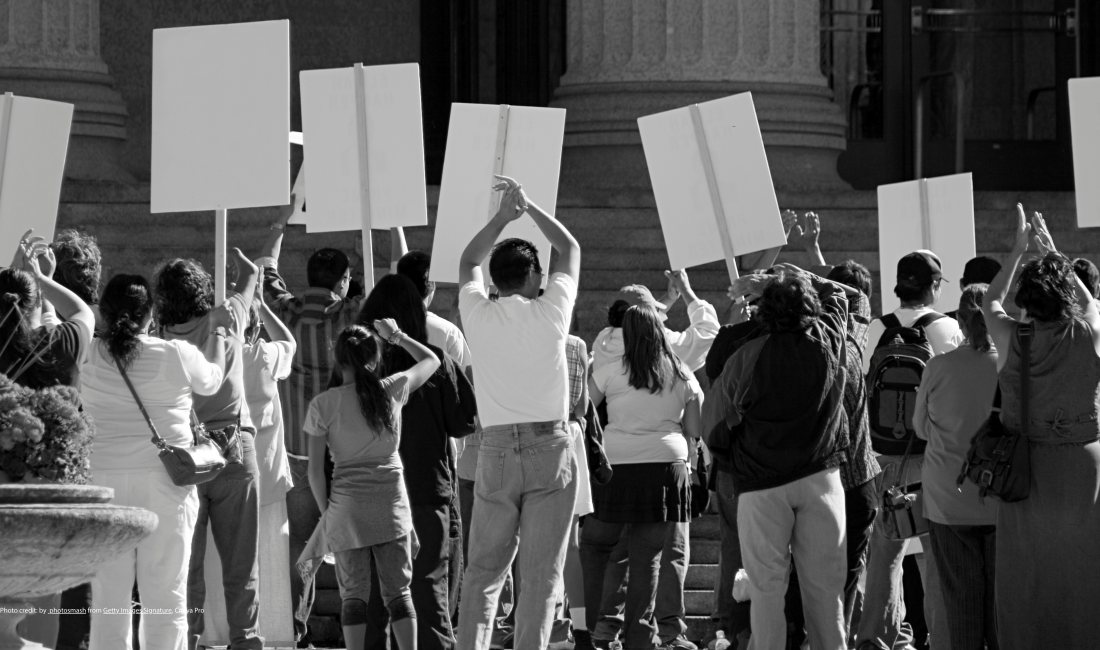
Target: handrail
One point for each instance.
(1032, 98)
(960, 136)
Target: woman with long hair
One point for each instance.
(165, 375)
(1048, 569)
(367, 514)
(653, 407)
(442, 409)
(956, 396)
(30, 354)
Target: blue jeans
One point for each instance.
(303, 515)
(524, 491)
(230, 505)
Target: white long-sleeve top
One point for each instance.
(691, 345)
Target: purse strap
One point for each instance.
(1023, 333)
(157, 440)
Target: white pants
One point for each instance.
(805, 518)
(159, 563)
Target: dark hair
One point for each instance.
(326, 268)
(183, 290)
(357, 348)
(78, 264)
(126, 306)
(853, 274)
(415, 265)
(1089, 274)
(971, 318)
(647, 355)
(1047, 289)
(19, 297)
(910, 293)
(788, 304)
(511, 262)
(396, 297)
(616, 312)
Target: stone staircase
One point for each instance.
(702, 577)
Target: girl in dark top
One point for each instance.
(441, 409)
(29, 354)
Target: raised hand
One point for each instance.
(239, 259)
(810, 225)
(46, 261)
(514, 202)
(1023, 231)
(386, 327)
(679, 281)
(1043, 241)
(750, 286)
(28, 247)
(286, 211)
(790, 220)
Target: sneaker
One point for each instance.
(679, 643)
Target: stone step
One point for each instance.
(698, 602)
(701, 576)
(705, 551)
(706, 527)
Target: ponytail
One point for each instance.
(125, 307)
(18, 298)
(357, 348)
(971, 318)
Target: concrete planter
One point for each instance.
(53, 537)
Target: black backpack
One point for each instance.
(896, 369)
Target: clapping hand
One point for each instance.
(1023, 231)
(1043, 240)
(514, 202)
(29, 248)
(807, 231)
(750, 286)
(790, 220)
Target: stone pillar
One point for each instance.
(629, 58)
(50, 49)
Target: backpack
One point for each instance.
(896, 369)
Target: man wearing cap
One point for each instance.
(918, 289)
(691, 345)
(980, 270)
(882, 624)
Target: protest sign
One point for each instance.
(34, 141)
(711, 181)
(521, 142)
(935, 214)
(1084, 119)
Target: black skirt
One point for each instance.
(644, 493)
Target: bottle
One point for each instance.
(720, 641)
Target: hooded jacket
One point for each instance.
(691, 345)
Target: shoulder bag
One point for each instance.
(903, 504)
(199, 463)
(999, 462)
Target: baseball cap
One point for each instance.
(980, 270)
(639, 295)
(919, 269)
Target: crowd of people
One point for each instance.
(491, 484)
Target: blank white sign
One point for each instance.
(395, 148)
(34, 165)
(1084, 119)
(532, 156)
(221, 115)
(740, 170)
(951, 230)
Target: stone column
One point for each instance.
(629, 58)
(50, 49)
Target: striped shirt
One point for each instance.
(315, 320)
(576, 357)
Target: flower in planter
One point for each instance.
(44, 435)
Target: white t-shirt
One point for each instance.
(164, 376)
(644, 427)
(520, 374)
(944, 334)
(446, 336)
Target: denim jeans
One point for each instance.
(303, 515)
(882, 623)
(668, 608)
(804, 519)
(860, 509)
(966, 557)
(523, 499)
(428, 585)
(645, 542)
(733, 617)
(506, 602)
(230, 506)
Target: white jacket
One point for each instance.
(691, 345)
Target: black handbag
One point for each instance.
(199, 463)
(903, 505)
(999, 462)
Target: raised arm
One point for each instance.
(274, 244)
(274, 326)
(247, 275)
(469, 265)
(398, 247)
(426, 361)
(69, 306)
(1001, 326)
(569, 251)
(808, 231)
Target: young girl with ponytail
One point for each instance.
(165, 376)
(367, 514)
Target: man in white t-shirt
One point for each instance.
(918, 289)
(525, 488)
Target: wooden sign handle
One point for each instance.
(498, 159)
(715, 197)
(220, 221)
(5, 127)
(364, 177)
(925, 216)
